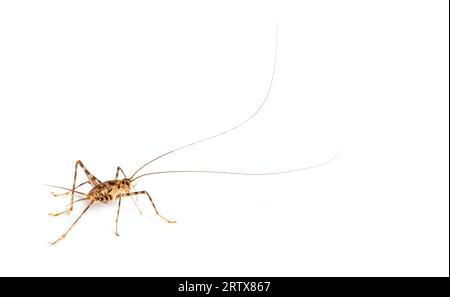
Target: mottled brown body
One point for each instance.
(110, 190)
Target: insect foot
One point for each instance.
(67, 211)
(162, 217)
(54, 242)
(168, 221)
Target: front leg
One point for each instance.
(148, 195)
(132, 198)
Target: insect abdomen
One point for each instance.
(108, 191)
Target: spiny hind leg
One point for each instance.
(73, 224)
(154, 206)
(91, 179)
(132, 198)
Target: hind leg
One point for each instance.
(92, 180)
(73, 224)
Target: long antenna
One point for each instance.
(228, 130)
(242, 173)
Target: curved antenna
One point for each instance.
(228, 130)
(242, 173)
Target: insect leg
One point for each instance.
(73, 224)
(92, 180)
(117, 217)
(148, 195)
(117, 172)
(132, 198)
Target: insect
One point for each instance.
(117, 189)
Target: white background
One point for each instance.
(119, 82)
